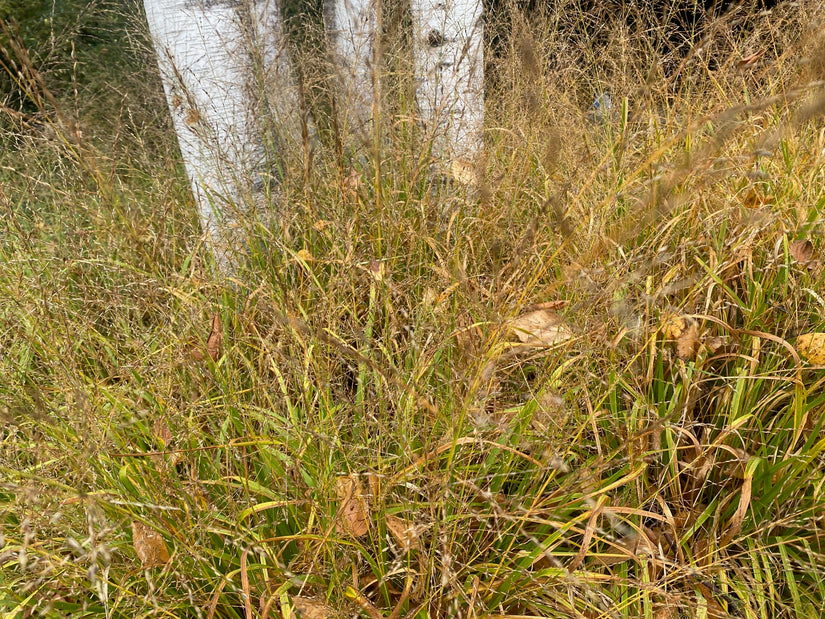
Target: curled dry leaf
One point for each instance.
(193, 117)
(464, 172)
(540, 328)
(353, 515)
(802, 251)
(304, 256)
(403, 533)
(215, 341)
(750, 60)
(308, 608)
(351, 184)
(811, 347)
(162, 431)
(149, 546)
(684, 333)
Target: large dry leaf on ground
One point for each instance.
(353, 515)
(811, 347)
(307, 608)
(149, 546)
(684, 333)
(540, 328)
(403, 533)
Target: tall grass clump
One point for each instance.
(352, 423)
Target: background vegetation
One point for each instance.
(353, 423)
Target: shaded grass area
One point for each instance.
(365, 337)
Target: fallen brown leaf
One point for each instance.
(309, 608)
(162, 431)
(193, 117)
(149, 546)
(215, 341)
(684, 333)
(351, 184)
(403, 533)
(464, 172)
(811, 347)
(540, 328)
(802, 251)
(353, 515)
(750, 60)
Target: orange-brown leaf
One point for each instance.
(309, 608)
(149, 546)
(215, 342)
(802, 251)
(811, 347)
(750, 60)
(403, 533)
(353, 515)
(684, 333)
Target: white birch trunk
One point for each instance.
(449, 71)
(352, 30)
(223, 66)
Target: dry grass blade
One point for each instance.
(734, 525)
(590, 529)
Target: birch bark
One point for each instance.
(449, 72)
(352, 28)
(448, 55)
(225, 72)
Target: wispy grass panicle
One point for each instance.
(563, 381)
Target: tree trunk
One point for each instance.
(226, 75)
(449, 72)
(351, 25)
